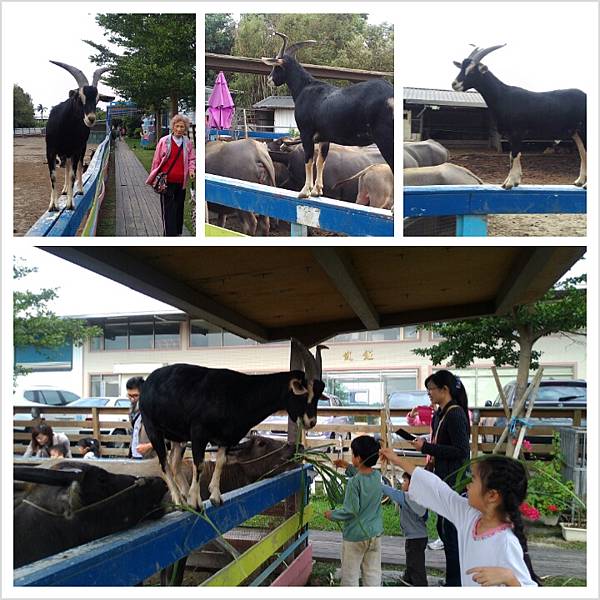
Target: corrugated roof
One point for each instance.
(275, 102)
(443, 97)
(412, 95)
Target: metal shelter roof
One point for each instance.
(313, 293)
(443, 97)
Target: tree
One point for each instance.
(23, 108)
(41, 109)
(509, 339)
(157, 67)
(34, 324)
(219, 33)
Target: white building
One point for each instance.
(361, 367)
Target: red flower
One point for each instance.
(531, 512)
(552, 508)
(527, 445)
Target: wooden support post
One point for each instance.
(96, 422)
(501, 392)
(532, 392)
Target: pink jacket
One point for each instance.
(161, 154)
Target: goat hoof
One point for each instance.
(52, 208)
(304, 194)
(316, 193)
(216, 499)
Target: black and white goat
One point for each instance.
(186, 402)
(357, 115)
(68, 130)
(520, 114)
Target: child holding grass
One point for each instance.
(492, 543)
(361, 515)
(413, 519)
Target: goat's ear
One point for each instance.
(104, 98)
(272, 62)
(457, 64)
(73, 93)
(482, 69)
(297, 388)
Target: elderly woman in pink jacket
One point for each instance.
(175, 156)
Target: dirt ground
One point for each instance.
(538, 169)
(31, 182)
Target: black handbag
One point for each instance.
(160, 181)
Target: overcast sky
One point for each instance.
(549, 45)
(37, 33)
(82, 292)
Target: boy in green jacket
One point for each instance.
(361, 515)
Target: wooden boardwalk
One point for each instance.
(138, 206)
(547, 559)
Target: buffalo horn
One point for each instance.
(79, 76)
(308, 360)
(479, 53)
(96, 75)
(320, 347)
(285, 41)
(295, 47)
(46, 476)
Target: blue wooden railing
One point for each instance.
(322, 213)
(85, 214)
(472, 203)
(129, 557)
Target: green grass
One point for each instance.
(564, 582)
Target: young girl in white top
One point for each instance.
(492, 543)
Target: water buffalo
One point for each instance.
(241, 159)
(427, 153)
(375, 186)
(446, 174)
(342, 163)
(73, 503)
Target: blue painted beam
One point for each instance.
(238, 133)
(324, 213)
(67, 222)
(447, 200)
(129, 557)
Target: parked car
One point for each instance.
(278, 423)
(552, 393)
(32, 399)
(406, 400)
(83, 422)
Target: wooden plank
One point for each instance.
(299, 571)
(253, 558)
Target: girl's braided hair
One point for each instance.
(509, 478)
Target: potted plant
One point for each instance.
(576, 529)
(548, 493)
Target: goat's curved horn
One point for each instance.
(285, 41)
(97, 74)
(295, 47)
(79, 76)
(479, 53)
(308, 360)
(319, 361)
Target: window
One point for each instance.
(166, 335)
(204, 335)
(141, 335)
(104, 385)
(122, 403)
(410, 332)
(115, 336)
(159, 333)
(230, 339)
(51, 397)
(384, 335)
(70, 396)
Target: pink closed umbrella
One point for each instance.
(220, 105)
